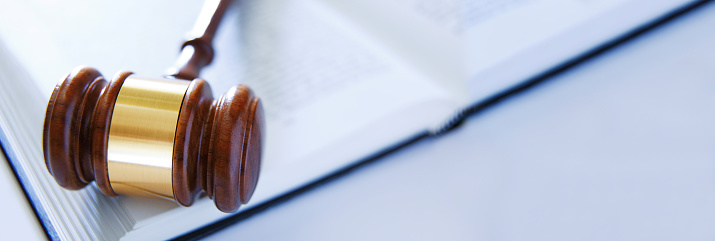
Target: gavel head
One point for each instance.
(163, 138)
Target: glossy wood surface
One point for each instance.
(218, 142)
(219, 151)
(197, 52)
(217, 148)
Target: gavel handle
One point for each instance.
(198, 51)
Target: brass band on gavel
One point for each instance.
(141, 136)
(160, 137)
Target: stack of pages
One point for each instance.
(341, 80)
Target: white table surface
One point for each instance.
(620, 148)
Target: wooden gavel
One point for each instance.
(166, 137)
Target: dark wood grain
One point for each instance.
(76, 128)
(218, 142)
(234, 150)
(187, 144)
(63, 122)
(217, 146)
(100, 131)
(197, 52)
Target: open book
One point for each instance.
(341, 81)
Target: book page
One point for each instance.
(319, 77)
(433, 35)
(68, 214)
(408, 75)
(427, 44)
(40, 43)
(475, 48)
(529, 40)
(332, 96)
(340, 79)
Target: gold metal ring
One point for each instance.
(141, 136)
